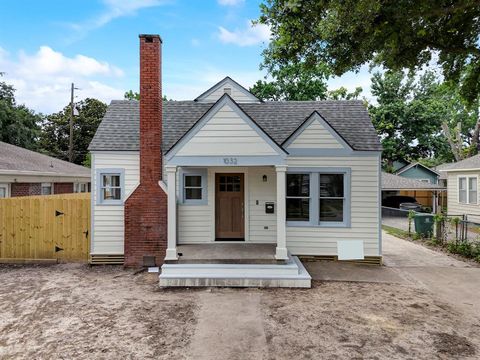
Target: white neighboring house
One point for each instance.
(300, 177)
(24, 172)
(462, 188)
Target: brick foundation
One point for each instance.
(146, 208)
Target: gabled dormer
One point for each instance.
(230, 87)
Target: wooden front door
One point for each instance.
(229, 207)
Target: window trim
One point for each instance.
(46, 184)
(6, 186)
(98, 186)
(315, 173)
(77, 186)
(467, 189)
(202, 172)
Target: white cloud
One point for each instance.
(250, 35)
(114, 9)
(230, 2)
(42, 80)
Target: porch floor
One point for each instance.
(235, 253)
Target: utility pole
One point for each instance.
(70, 145)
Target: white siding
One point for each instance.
(364, 209)
(237, 94)
(196, 223)
(226, 133)
(262, 192)
(108, 220)
(315, 136)
(453, 206)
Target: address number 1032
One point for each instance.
(230, 161)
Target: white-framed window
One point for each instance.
(80, 187)
(468, 189)
(47, 189)
(318, 197)
(193, 186)
(4, 191)
(110, 186)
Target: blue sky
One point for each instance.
(45, 45)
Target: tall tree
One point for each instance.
(133, 95)
(397, 35)
(54, 137)
(293, 82)
(18, 124)
(408, 115)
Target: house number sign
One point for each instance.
(230, 161)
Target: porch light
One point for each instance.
(264, 178)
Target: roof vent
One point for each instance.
(227, 91)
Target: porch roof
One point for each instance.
(119, 130)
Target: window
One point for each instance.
(80, 187)
(193, 185)
(318, 197)
(467, 190)
(331, 197)
(472, 190)
(3, 191)
(298, 197)
(425, 180)
(109, 186)
(47, 189)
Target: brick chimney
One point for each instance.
(146, 208)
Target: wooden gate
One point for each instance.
(45, 228)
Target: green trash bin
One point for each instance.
(424, 224)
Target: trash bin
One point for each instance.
(424, 224)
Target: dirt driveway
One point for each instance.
(78, 312)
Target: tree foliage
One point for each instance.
(409, 113)
(54, 138)
(18, 124)
(395, 34)
(133, 95)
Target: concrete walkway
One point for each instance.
(453, 281)
(230, 326)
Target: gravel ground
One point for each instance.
(81, 312)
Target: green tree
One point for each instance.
(395, 34)
(408, 114)
(18, 124)
(293, 82)
(54, 137)
(133, 95)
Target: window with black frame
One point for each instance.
(193, 187)
(298, 197)
(332, 197)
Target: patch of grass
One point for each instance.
(396, 232)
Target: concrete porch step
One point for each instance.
(290, 274)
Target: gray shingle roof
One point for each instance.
(395, 182)
(470, 163)
(14, 158)
(119, 129)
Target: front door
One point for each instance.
(229, 207)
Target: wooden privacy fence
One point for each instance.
(45, 228)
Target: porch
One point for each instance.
(233, 265)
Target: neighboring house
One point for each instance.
(393, 185)
(419, 172)
(462, 182)
(24, 172)
(302, 177)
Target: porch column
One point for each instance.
(281, 251)
(172, 213)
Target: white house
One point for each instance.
(462, 188)
(225, 173)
